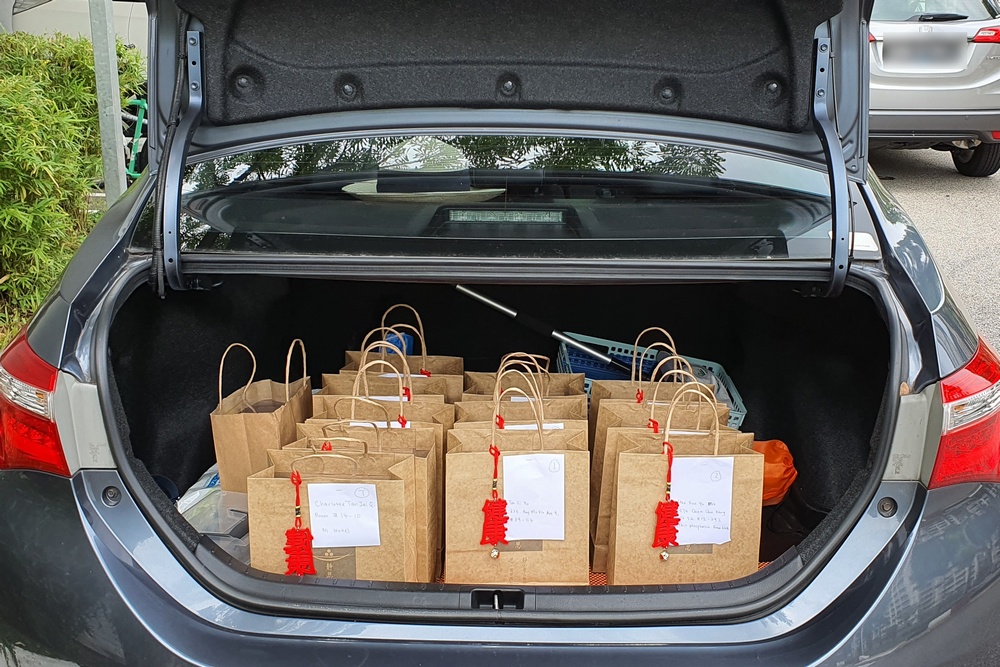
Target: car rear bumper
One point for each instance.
(888, 125)
(75, 592)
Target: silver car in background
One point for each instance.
(935, 79)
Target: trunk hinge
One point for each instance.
(824, 120)
(189, 102)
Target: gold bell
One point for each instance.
(494, 553)
(664, 555)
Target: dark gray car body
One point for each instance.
(92, 575)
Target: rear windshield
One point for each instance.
(913, 10)
(524, 196)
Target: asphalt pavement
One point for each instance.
(959, 217)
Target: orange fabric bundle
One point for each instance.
(779, 470)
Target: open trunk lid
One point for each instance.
(763, 73)
(748, 63)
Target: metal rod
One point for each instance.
(559, 335)
(509, 312)
(554, 333)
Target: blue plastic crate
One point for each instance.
(572, 360)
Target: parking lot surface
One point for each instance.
(959, 217)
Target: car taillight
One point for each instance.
(970, 440)
(28, 435)
(988, 35)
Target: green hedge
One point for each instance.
(50, 161)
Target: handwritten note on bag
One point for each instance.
(343, 515)
(703, 489)
(534, 488)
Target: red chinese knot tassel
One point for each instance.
(667, 517)
(407, 394)
(639, 395)
(426, 373)
(298, 540)
(495, 512)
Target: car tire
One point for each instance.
(983, 160)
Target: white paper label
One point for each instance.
(703, 489)
(374, 424)
(343, 515)
(388, 399)
(389, 375)
(534, 488)
(547, 426)
(521, 399)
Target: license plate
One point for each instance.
(923, 51)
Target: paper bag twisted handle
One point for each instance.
(327, 447)
(669, 346)
(326, 456)
(253, 371)
(528, 380)
(362, 373)
(498, 421)
(531, 364)
(384, 344)
(693, 383)
(420, 325)
(678, 361)
(540, 361)
(495, 508)
(288, 365)
(696, 389)
(352, 418)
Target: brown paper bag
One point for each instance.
(555, 407)
(534, 407)
(260, 416)
(326, 402)
(417, 408)
(382, 384)
(473, 472)
(618, 414)
(639, 487)
(480, 386)
(426, 364)
(423, 443)
(392, 433)
(447, 385)
(635, 392)
(634, 389)
(438, 414)
(271, 511)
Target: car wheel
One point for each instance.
(983, 160)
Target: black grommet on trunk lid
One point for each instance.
(508, 86)
(348, 88)
(668, 92)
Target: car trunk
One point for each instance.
(811, 372)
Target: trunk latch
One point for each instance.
(498, 599)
